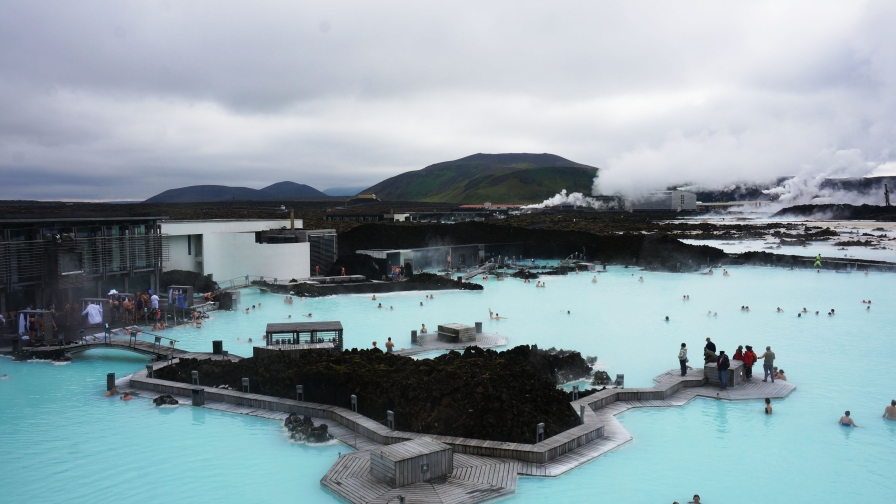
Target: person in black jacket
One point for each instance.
(723, 364)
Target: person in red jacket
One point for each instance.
(739, 353)
(749, 358)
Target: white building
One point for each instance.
(228, 249)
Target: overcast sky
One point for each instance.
(118, 100)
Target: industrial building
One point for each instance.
(664, 201)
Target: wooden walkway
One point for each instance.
(474, 479)
(430, 343)
(119, 342)
(481, 477)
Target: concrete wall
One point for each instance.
(228, 249)
(231, 255)
(179, 259)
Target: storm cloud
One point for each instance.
(122, 100)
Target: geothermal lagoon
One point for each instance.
(63, 441)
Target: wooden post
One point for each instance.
(110, 381)
(539, 432)
(575, 392)
(195, 375)
(414, 337)
(582, 413)
(245, 385)
(390, 419)
(198, 396)
(300, 393)
(149, 373)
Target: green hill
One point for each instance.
(498, 178)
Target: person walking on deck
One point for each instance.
(683, 359)
(769, 364)
(723, 364)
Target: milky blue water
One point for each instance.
(57, 427)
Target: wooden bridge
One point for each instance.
(156, 350)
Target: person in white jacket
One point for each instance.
(94, 314)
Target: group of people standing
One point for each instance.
(723, 363)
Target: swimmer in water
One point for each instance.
(779, 310)
(113, 392)
(768, 406)
(289, 316)
(373, 298)
(307, 316)
(667, 318)
(253, 307)
(816, 312)
(594, 279)
(421, 303)
(709, 272)
(259, 305)
(423, 329)
(725, 272)
(640, 279)
(805, 310)
(246, 311)
(5, 376)
(380, 305)
(126, 396)
(867, 307)
(709, 313)
(250, 340)
(846, 421)
(390, 308)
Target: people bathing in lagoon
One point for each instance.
(667, 318)
(423, 329)
(768, 406)
(779, 375)
(805, 310)
(373, 298)
(594, 279)
(389, 345)
(126, 396)
(390, 308)
(113, 392)
(725, 272)
(779, 310)
(379, 305)
(641, 279)
(890, 411)
(846, 421)
(307, 316)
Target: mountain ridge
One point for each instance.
(500, 178)
(211, 193)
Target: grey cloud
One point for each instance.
(331, 94)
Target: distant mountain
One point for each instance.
(209, 193)
(344, 191)
(498, 178)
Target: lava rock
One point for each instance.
(479, 393)
(601, 378)
(165, 400)
(302, 428)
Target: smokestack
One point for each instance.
(292, 220)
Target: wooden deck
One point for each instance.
(430, 343)
(474, 479)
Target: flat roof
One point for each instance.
(292, 327)
(410, 449)
(75, 219)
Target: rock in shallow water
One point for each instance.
(303, 429)
(165, 400)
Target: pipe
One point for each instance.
(292, 220)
